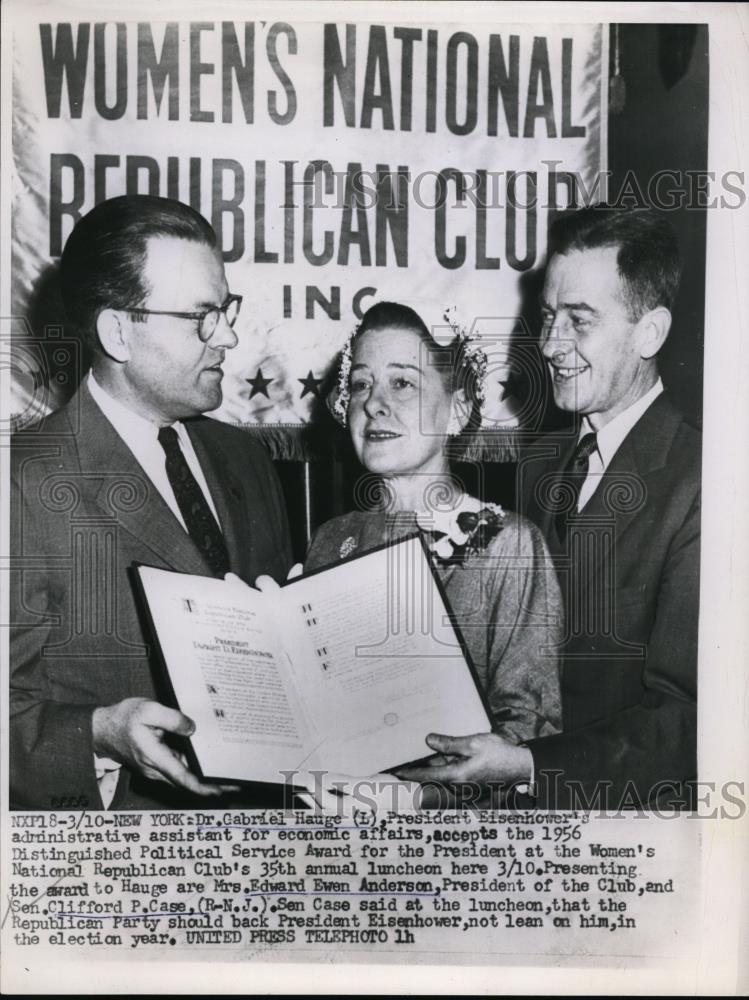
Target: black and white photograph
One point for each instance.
(374, 397)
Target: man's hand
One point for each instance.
(481, 758)
(132, 732)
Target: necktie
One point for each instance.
(572, 480)
(200, 522)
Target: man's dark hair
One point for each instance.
(102, 262)
(648, 260)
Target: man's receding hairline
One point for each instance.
(583, 249)
(627, 299)
(178, 238)
(163, 238)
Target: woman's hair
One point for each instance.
(452, 360)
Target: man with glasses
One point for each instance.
(129, 471)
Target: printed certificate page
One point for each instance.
(377, 663)
(225, 664)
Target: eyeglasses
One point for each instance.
(207, 321)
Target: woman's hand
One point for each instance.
(481, 758)
(266, 583)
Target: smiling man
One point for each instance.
(619, 503)
(128, 471)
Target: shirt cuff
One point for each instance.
(107, 776)
(529, 787)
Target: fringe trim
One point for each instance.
(308, 442)
(298, 442)
(489, 446)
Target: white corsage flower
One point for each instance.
(442, 548)
(468, 527)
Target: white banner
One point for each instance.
(339, 163)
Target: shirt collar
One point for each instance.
(610, 437)
(128, 424)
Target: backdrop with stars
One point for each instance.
(340, 163)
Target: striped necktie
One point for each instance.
(198, 517)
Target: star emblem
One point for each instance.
(259, 384)
(311, 385)
(511, 385)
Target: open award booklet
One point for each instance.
(346, 669)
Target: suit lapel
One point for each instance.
(621, 496)
(541, 505)
(122, 490)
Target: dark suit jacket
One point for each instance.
(82, 511)
(629, 572)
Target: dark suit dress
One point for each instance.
(82, 512)
(629, 571)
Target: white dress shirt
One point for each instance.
(609, 439)
(141, 437)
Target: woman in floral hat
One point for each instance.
(403, 396)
